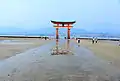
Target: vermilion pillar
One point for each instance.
(60, 24)
(68, 33)
(57, 36)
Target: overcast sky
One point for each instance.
(89, 14)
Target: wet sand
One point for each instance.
(39, 65)
(107, 50)
(12, 46)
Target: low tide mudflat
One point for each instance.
(107, 50)
(38, 64)
(12, 46)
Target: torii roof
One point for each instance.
(63, 22)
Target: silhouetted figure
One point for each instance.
(119, 42)
(93, 40)
(96, 40)
(78, 40)
(65, 37)
(45, 38)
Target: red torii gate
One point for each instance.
(60, 24)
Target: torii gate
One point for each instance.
(60, 24)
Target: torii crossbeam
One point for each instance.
(60, 24)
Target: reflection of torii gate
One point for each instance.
(59, 24)
(58, 51)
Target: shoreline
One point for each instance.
(53, 37)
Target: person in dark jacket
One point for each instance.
(96, 40)
(93, 40)
(78, 40)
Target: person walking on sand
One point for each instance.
(93, 40)
(119, 42)
(78, 40)
(96, 40)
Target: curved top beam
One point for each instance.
(63, 22)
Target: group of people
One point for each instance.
(94, 40)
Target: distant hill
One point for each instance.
(108, 28)
(39, 31)
(51, 31)
(11, 30)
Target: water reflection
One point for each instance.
(61, 50)
(68, 44)
(57, 42)
(78, 45)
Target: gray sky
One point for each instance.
(89, 14)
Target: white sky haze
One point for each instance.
(37, 13)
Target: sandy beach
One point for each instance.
(12, 46)
(87, 62)
(106, 50)
(39, 65)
